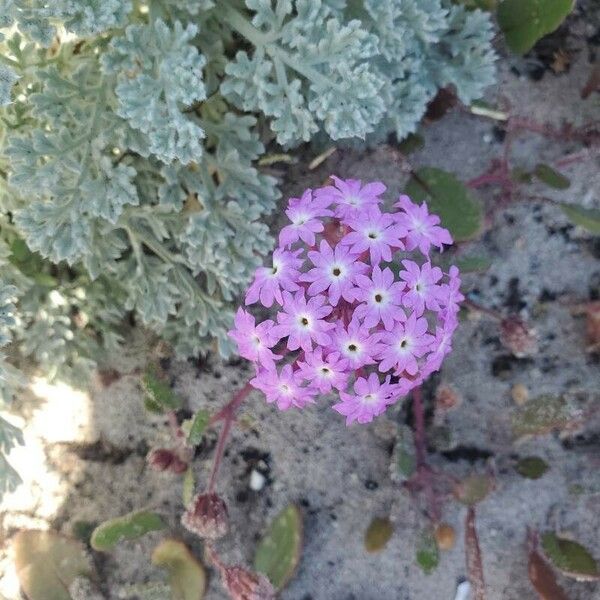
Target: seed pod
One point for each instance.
(242, 584)
(518, 337)
(163, 459)
(445, 536)
(207, 516)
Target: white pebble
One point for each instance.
(257, 480)
(463, 591)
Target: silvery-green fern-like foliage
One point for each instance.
(129, 183)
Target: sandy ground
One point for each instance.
(84, 459)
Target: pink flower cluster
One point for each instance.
(357, 311)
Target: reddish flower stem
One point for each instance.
(227, 415)
(424, 474)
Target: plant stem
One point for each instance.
(419, 417)
(227, 415)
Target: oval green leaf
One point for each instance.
(551, 177)
(47, 563)
(531, 467)
(378, 534)
(187, 578)
(448, 197)
(569, 557)
(198, 426)
(541, 415)
(278, 553)
(588, 218)
(159, 394)
(427, 554)
(127, 527)
(524, 22)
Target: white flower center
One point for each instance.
(369, 398)
(337, 271)
(404, 345)
(256, 341)
(304, 321)
(372, 234)
(379, 297)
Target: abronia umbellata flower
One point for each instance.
(360, 308)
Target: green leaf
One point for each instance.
(189, 483)
(588, 218)
(531, 467)
(186, 575)
(199, 424)
(473, 489)
(541, 415)
(524, 22)
(159, 393)
(474, 263)
(477, 4)
(448, 197)
(378, 534)
(411, 143)
(570, 557)
(278, 553)
(47, 563)
(127, 527)
(404, 454)
(427, 554)
(551, 177)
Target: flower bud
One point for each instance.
(207, 516)
(163, 459)
(518, 337)
(242, 584)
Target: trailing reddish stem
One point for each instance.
(227, 415)
(474, 561)
(423, 477)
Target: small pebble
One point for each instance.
(445, 536)
(257, 481)
(520, 394)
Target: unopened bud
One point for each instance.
(518, 337)
(163, 459)
(242, 584)
(207, 516)
(446, 398)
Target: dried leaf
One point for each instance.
(473, 552)
(278, 553)
(473, 489)
(186, 575)
(543, 579)
(378, 534)
(47, 563)
(542, 415)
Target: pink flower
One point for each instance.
(449, 295)
(254, 341)
(403, 345)
(381, 299)
(423, 229)
(269, 281)
(335, 271)
(283, 388)
(375, 232)
(324, 373)
(442, 345)
(303, 213)
(422, 290)
(350, 196)
(370, 399)
(355, 344)
(302, 322)
(342, 318)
